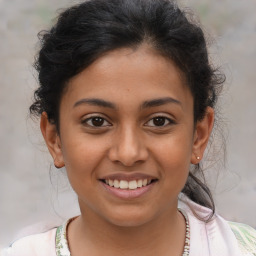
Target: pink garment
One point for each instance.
(209, 239)
(42, 244)
(206, 239)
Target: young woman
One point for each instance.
(126, 101)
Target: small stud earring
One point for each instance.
(198, 157)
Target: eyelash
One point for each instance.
(90, 119)
(102, 119)
(170, 121)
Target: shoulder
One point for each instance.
(34, 245)
(246, 237)
(217, 236)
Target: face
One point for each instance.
(127, 136)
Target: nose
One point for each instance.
(128, 148)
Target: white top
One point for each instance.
(215, 238)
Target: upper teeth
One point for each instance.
(124, 184)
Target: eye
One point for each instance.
(96, 121)
(159, 121)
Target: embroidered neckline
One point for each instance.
(62, 247)
(187, 237)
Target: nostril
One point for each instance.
(127, 158)
(127, 148)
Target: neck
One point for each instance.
(92, 234)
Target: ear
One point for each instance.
(202, 134)
(52, 140)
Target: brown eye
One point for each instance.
(159, 121)
(96, 121)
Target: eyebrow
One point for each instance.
(96, 102)
(145, 104)
(159, 102)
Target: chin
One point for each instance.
(128, 222)
(129, 218)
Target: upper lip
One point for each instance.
(128, 177)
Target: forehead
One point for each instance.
(129, 75)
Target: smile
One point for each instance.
(128, 185)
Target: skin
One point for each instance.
(127, 142)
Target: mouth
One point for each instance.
(128, 184)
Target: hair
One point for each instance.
(86, 31)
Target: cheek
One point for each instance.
(173, 156)
(175, 162)
(82, 155)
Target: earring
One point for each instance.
(198, 157)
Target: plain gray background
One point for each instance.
(29, 196)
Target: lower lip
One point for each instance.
(128, 193)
